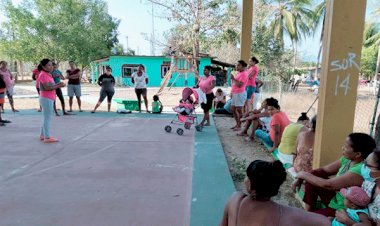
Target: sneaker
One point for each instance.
(50, 140)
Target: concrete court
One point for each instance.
(110, 169)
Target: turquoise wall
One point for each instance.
(152, 66)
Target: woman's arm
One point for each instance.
(333, 184)
(49, 87)
(146, 81)
(100, 80)
(276, 141)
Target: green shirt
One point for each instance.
(156, 107)
(338, 201)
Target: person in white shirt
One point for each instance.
(140, 80)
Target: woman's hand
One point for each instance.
(342, 217)
(62, 84)
(302, 175)
(296, 186)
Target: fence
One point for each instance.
(295, 102)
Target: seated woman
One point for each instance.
(319, 182)
(262, 182)
(370, 172)
(304, 148)
(277, 125)
(259, 119)
(220, 99)
(289, 137)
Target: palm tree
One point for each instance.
(292, 18)
(319, 15)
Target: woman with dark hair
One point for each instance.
(57, 76)
(140, 80)
(262, 182)
(8, 79)
(206, 83)
(252, 72)
(304, 148)
(47, 98)
(346, 172)
(370, 172)
(277, 125)
(287, 145)
(107, 82)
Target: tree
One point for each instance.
(200, 23)
(291, 18)
(79, 30)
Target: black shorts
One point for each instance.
(207, 106)
(140, 92)
(106, 93)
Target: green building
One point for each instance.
(155, 66)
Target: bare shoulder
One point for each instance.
(300, 217)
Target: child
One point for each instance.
(220, 99)
(356, 201)
(156, 105)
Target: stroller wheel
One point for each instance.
(198, 128)
(168, 129)
(187, 125)
(179, 131)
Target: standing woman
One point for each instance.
(47, 98)
(206, 83)
(8, 79)
(57, 76)
(140, 79)
(107, 82)
(252, 72)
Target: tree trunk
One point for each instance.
(295, 55)
(377, 131)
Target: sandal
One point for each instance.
(50, 140)
(5, 121)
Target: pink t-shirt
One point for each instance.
(241, 77)
(7, 78)
(281, 119)
(252, 80)
(44, 78)
(205, 83)
(36, 73)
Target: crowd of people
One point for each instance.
(344, 192)
(348, 188)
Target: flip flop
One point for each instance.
(5, 121)
(50, 140)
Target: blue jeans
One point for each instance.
(264, 136)
(47, 111)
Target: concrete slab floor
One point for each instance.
(104, 171)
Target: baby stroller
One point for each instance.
(186, 111)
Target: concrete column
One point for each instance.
(246, 30)
(342, 44)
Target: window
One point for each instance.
(165, 67)
(128, 70)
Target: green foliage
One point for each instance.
(368, 61)
(79, 30)
(205, 25)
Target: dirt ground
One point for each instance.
(239, 153)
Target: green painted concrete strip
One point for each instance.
(212, 182)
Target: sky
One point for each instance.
(135, 27)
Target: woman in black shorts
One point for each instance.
(140, 79)
(107, 82)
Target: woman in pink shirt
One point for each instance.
(252, 72)
(206, 84)
(277, 125)
(47, 98)
(8, 79)
(239, 95)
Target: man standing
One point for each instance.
(239, 95)
(74, 87)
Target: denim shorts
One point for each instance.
(250, 91)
